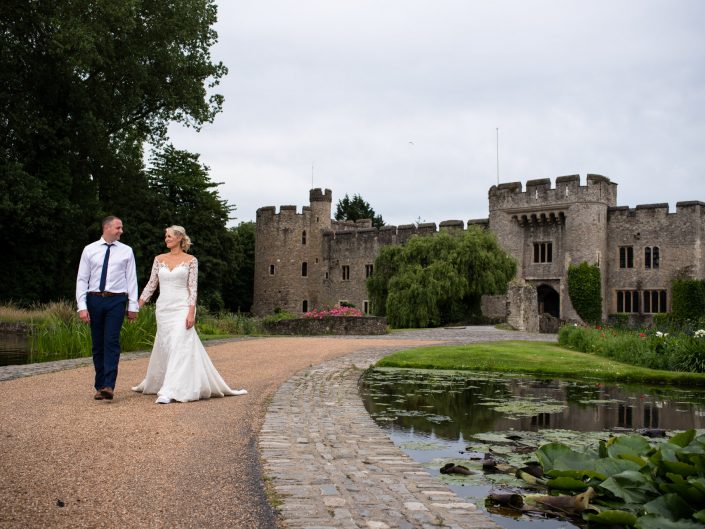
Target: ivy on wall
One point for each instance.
(688, 299)
(584, 290)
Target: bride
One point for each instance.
(179, 368)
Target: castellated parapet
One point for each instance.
(305, 260)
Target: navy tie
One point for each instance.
(104, 271)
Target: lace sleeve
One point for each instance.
(151, 285)
(192, 281)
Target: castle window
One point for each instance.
(368, 270)
(626, 257)
(271, 270)
(543, 252)
(366, 307)
(627, 301)
(303, 237)
(326, 275)
(654, 301)
(651, 257)
(304, 269)
(304, 306)
(346, 272)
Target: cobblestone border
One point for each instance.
(332, 467)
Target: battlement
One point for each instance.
(345, 225)
(539, 193)
(320, 195)
(648, 211)
(347, 230)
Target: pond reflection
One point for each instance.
(14, 349)
(451, 403)
(451, 416)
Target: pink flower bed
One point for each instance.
(336, 311)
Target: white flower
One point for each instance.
(659, 334)
(700, 333)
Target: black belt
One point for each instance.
(107, 294)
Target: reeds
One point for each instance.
(57, 333)
(63, 335)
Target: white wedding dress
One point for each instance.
(179, 367)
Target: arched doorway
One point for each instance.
(549, 301)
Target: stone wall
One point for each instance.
(494, 308)
(522, 302)
(678, 236)
(337, 325)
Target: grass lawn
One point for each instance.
(535, 358)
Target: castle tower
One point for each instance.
(288, 255)
(547, 229)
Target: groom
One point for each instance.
(107, 285)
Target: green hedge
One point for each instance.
(584, 290)
(688, 299)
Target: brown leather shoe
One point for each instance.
(107, 393)
(98, 396)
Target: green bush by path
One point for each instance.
(543, 359)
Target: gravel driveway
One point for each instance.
(69, 461)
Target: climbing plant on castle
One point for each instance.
(688, 301)
(584, 290)
(435, 280)
(357, 208)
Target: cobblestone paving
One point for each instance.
(332, 467)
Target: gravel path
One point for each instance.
(69, 461)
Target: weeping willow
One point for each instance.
(436, 280)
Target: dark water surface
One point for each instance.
(451, 416)
(14, 349)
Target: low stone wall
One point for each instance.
(342, 325)
(494, 308)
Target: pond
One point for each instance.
(438, 417)
(14, 349)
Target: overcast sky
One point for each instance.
(400, 101)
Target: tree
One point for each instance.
(83, 86)
(185, 195)
(440, 279)
(355, 209)
(238, 291)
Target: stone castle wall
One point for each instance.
(581, 223)
(678, 236)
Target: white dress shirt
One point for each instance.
(122, 272)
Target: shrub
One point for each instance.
(688, 299)
(584, 290)
(681, 350)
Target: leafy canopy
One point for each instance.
(85, 85)
(440, 279)
(355, 209)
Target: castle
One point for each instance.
(306, 260)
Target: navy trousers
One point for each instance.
(107, 315)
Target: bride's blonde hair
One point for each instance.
(180, 231)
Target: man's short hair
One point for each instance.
(107, 220)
